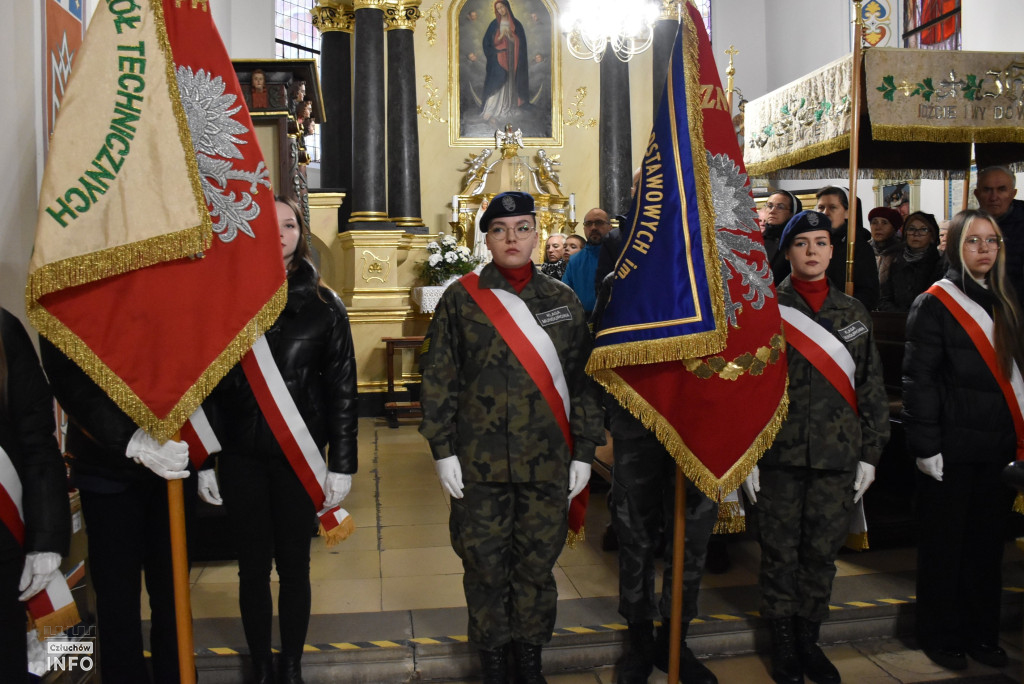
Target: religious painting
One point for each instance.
(903, 196)
(955, 193)
(505, 68)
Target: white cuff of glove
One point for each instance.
(209, 490)
(579, 476)
(865, 476)
(40, 569)
(752, 485)
(168, 460)
(449, 472)
(931, 466)
(336, 488)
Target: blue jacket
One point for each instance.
(579, 275)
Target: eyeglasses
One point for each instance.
(769, 206)
(594, 222)
(917, 231)
(521, 231)
(974, 243)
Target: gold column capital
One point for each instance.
(331, 15)
(371, 4)
(402, 15)
(671, 10)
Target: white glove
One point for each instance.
(752, 485)
(579, 476)
(168, 460)
(932, 466)
(865, 476)
(336, 487)
(449, 472)
(40, 568)
(209, 490)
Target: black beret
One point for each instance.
(804, 222)
(507, 204)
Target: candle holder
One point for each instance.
(457, 231)
(571, 225)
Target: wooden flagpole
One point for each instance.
(179, 568)
(678, 548)
(855, 87)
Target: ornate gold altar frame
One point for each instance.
(902, 195)
(468, 21)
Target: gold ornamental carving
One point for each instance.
(402, 15)
(431, 110)
(371, 4)
(431, 17)
(671, 10)
(375, 267)
(329, 16)
(574, 115)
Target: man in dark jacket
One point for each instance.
(996, 190)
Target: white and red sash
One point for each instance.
(536, 352)
(827, 354)
(53, 607)
(981, 329)
(292, 434)
(198, 434)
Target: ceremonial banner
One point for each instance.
(157, 259)
(64, 30)
(691, 341)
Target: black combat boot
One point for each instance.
(786, 667)
(816, 664)
(291, 669)
(528, 663)
(691, 670)
(262, 670)
(495, 665)
(637, 662)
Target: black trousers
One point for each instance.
(271, 517)
(13, 658)
(961, 524)
(129, 534)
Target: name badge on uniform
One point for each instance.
(853, 331)
(554, 316)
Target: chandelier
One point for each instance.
(592, 27)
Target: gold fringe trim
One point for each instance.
(858, 541)
(945, 134)
(693, 469)
(730, 518)
(655, 351)
(799, 156)
(574, 538)
(164, 428)
(868, 172)
(57, 621)
(1018, 503)
(338, 534)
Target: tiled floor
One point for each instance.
(398, 568)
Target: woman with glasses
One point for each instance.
(917, 263)
(961, 411)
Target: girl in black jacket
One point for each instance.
(960, 429)
(269, 510)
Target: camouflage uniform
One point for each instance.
(807, 476)
(642, 506)
(481, 405)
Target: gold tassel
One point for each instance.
(857, 541)
(339, 533)
(574, 538)
(1018, 504)
(730, 519)
(57, 621)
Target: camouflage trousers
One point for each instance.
(509, 536)
(642, 505)
(803, 518)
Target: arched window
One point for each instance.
(295, 38)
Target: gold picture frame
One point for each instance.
(530, 99)
(902, 195)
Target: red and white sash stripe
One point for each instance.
(826, 353)
(288, 426)
(981, 329)
(198, 434)
(529, 342)
(53, 606)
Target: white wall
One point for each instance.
(741, 23)
(992, 25)
(246, 27)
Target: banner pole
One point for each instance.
(855, 88)
(678, 549)
(179, 567)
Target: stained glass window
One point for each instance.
(704, 6)
(932, 24)
(295, 38)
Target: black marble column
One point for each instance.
(615, 139)
(664, 38)
(369, 184)
(403, 132)
(335, 26)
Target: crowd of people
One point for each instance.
(513, 420)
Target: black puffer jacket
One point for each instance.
(907, 279)
(312, 344)
(26, 435)
(951, 402)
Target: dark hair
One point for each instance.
(1006, 310)
(582, 240)
(928, 219)
(841, 194)
(302, 249)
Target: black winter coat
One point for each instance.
(951, 402)
(27, 436)
(907, 279)
(312, 344)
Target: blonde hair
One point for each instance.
(1006, 312)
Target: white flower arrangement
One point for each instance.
(446, 259)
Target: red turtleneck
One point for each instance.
(814, 292)
(517, 277)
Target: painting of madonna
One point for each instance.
(505, 67)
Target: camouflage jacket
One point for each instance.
(480, 403)
(822, 431)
